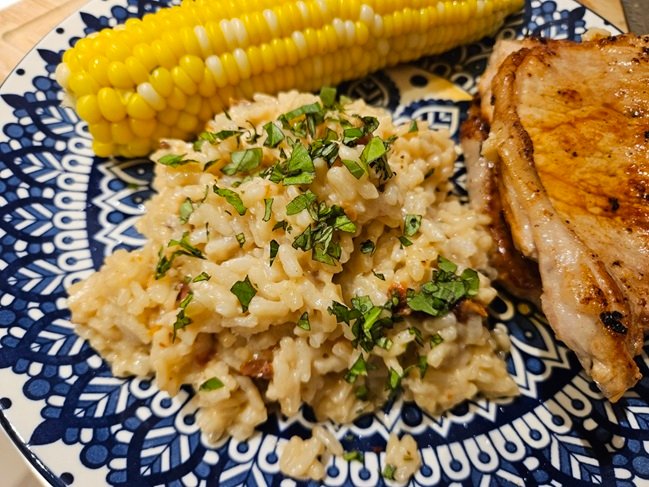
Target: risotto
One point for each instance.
(303, 250)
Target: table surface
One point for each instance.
(22, 25)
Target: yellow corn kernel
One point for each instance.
(121, 132)
(142, 128)
(205, 113)
(138, 108)
(98, 69)
(163, 54)
(136, 70)
(118, 75)
(110, 104)
(193, 67)
(103, 149)
(142, 52)
(177, 99)
(168, 117)
(139, 147)
(88, 109)
(81, 83)
(183, 81)
(162, 82)
(100, 131)
(187, 122)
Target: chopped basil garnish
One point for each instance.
(274, 135)
(368, 322)
(413, 127)
(319, 238)
(328, 96)
(243, 161)
(358, 368)
(368, 247)
(203, 276)
(422, 364)
(378, 275)
(164, 263)
(274, 247)
(214, 137)
(268, 208)
(353, 455)
(304, 322)
(411, 225)
(435, 340)
(301, 202)
(394, 380)
(182, 320)
(241, 238)
(388, 472)
(299, 168)
(438, 296)
(354, 168)
(244, 291)
(283, 224)
(186, 209)
(413, 330)
(174, 160)
(361, 392)
(211, 384)
(405, 241)
(374, 150)
(231, 197)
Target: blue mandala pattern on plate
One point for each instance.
(65, 210)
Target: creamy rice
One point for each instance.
(187, 324)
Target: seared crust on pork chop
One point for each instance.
(569, 140)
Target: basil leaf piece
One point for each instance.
(389, 471)
(174, 160)
(301, 202)
(368, 247)
(274, 135)
(411, 225)
(358, 368)
(374, 150)
(422, 365)
(268, 209)
(186, 209)
(435, 340)
(244, 291)
(300, 160)
(311, 108)
(394, 379)
(354, 168)
(243, 161)
(353, 455)
(231, 197)
(241, 238)
(274, 247)
(413, 127)
(211, 384)
(405, 242)
(328, 96)
(203, 276)
(304, 322)
(182, 320)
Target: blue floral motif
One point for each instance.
(65, 210)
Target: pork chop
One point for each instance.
(569, 141)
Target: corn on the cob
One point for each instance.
(168, 73)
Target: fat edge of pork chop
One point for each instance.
(596, 305)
